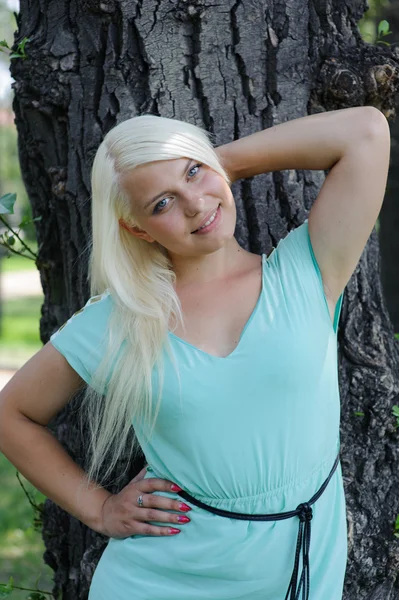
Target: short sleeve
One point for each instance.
(82, 339)
(299, 270)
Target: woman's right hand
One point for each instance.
(123, 517)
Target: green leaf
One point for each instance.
(6, 589)
(382, 42)
(395, 410)
(14, 55)
(27, 221)
(397, 336)
(22, 43)
(11, 240)
(359, 414)
(383, 28)
(36, 596)
(7, 204)
(4, 44)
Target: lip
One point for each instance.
(210, 213)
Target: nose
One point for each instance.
(193, 204)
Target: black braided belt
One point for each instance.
(304, 513)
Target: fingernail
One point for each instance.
(173, 531)
(175, 488)
(183, 519)
(184, 507)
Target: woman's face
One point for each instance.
(172, 199)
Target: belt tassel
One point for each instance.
(304, 513)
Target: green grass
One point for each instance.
(19, 320)
(19, 330)
(21, 546)
(12, 262)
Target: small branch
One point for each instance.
(17, 236)
(15, 251)
(16, 587)
(35, 506)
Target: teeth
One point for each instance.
(212, 218)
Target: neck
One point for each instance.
(208, 267)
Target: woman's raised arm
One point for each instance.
(355, 144)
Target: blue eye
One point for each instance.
(159, 206)
(197, 166)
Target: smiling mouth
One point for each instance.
(209, 221)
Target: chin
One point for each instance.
(216, 243)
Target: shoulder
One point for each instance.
(96, 311)
(296, 264)
(83, 338)
(295, 243)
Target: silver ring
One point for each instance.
(140, 500)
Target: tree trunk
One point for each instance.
(389, 217)
(234, 67)
(388, 232)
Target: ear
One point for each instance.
(140, 233)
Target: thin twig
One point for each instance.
(35, 506)
(16, 252)
(17, 236)
(16, 587)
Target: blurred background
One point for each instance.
(21, 546)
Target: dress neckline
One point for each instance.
(243, 332)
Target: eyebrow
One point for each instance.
(162, 193)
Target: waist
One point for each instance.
(265, 499)
(303, 510)
(247, 491)
(299, 581)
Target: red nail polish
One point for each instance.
(175, 488)
(173, 531)
(183, 519)
(184, 507)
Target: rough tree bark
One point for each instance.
(389, 218)
(235, 67)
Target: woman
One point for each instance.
(225, 363)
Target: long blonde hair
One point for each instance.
(140, 279)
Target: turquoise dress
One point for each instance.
(254, 432)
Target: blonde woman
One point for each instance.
(224, 362)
